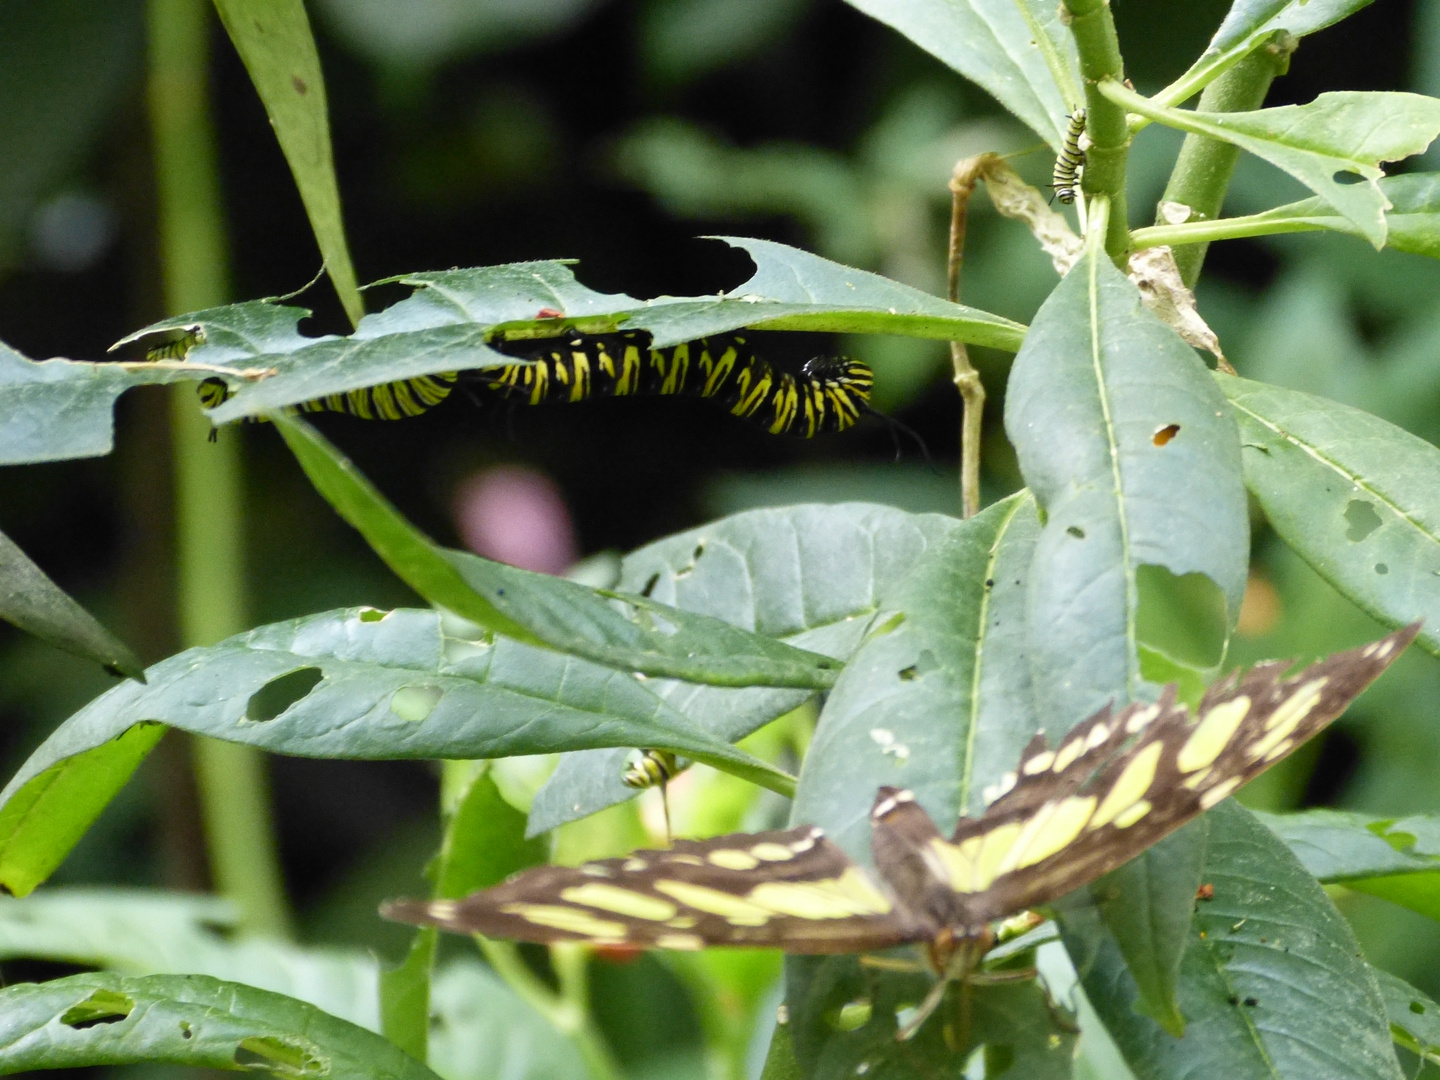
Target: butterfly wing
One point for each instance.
(789, 889)
(1117, 784)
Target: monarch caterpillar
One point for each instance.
(1071, 160)
(388, 401)
(827, 394)
(654, 768)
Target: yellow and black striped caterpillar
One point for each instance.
(388, 401)
(827, 394)
(1071, 160)
(654, 768)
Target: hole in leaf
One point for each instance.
(284, 1057)
(414, 703)
(1076, 531)
(101, 1007)
(650, 585)
(1361, 519)
(279, 694)
(907, 674)
(1381, 568)
(1165, 434)
(1347, 177)
(1417, 1007)
(371, 614)
(1180, 627)
(186, 1031)
(852, 1015)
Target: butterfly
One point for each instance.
(1117, 783)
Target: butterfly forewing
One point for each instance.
(789, 889)
(1117, 784)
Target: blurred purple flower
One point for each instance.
(516, 515)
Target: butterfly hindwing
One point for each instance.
(790, 889)
(1118, 783)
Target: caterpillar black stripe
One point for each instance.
(388, 401)
(828, 394)
(653, 768)
(1070, 162)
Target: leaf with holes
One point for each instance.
(103, 1019)
(1355, 496)
(1412, 223)
(813, 576)
(1263, 949)
(358, 684)
(1414, 1017)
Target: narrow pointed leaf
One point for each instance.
(34, 603)
(1272, 981)
(635, 634)
(273, 38)
(103, 1019)
(1355, 496)
(1412, 223)
(1350, 132)
(811, 575)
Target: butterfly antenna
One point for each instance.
(665, 804)
(896, 429)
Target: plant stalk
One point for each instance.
(967, 380)
(1093, 27)
(1203, 170)
(233, 792)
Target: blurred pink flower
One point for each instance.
(516, 515)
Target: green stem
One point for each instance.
(1237, 228)
(1099, 50)
(568, 1011)
(1203, 170)
(209, 503)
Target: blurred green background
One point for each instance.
(470, 132)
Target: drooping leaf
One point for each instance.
(1353, 495)
(1249, 24)
(1394, 858)
(105, 1019)
(1412, 223)
(1262, 953)
(811, 575)
(34, 603)
(273, 38)
(632, 633)
(151, 932)
(344, 684)
(1349, 132)
(1019, 52)
(1134, 458)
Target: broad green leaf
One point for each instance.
(358, 684)
(1414, 1017)
(936, 700)
(1412, 223)
(1355, 496)
(104, 1019)
(1134, 458)
(60, 409)
(632, 633)
(484, 843)
(273, 38)
(1019, 52)
(1272, 981)
(1249, 24)
(1394, 858)
(34, 603)
(42, 821)
(811, 575)
(151, 932)
(445, 324)
(483, 1031)
(1350, 132)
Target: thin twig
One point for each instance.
(967, 379)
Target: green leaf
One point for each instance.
(1099, 377)
(41, 821)
(484, 1031)
(780, 1063)
(1248, 25)
(1355, 496)
(1412, 223)
(936, 700)
(445, 325)
(813, 576)
(1021, 53)
(357, 684)
(635, 634)
(1348, 132)
(1397, 859)
(34, 603)
(151, 932)
(103, 1019)
(1414, 1017)
(273, 38)
(1272, 981)
(404, 996)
